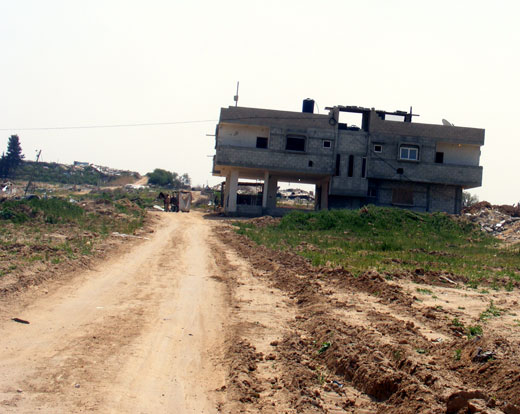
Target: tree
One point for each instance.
(160, 177)
(163, 178)
(185, 180)
(14, 152)
(468, 199)
(4, 170)
(13, 158)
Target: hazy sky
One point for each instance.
(88, 63)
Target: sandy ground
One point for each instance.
(198, 319)
(142, 333)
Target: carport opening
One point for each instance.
(295, 195)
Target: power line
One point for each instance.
(108, 126)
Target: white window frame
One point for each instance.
(406, 151)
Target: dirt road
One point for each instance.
(141, 333)
(199, 319)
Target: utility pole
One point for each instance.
(31, 180)
(235, 98)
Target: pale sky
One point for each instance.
(87, 63)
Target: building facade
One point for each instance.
(387, 160)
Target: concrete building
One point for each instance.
(386, 160)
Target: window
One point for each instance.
(295, 143)
(338, 164)
(409, 153)
(402, 197)
(439, 157)
(326, 144)
(350, 166)
(364, 168)
(261, 142)
(378, 148)
(372, 192)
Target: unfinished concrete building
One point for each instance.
(386, 160)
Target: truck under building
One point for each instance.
(387, 160)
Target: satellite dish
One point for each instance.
(446, 123)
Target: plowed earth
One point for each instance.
(340, 343)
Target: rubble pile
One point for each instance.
(500, 221)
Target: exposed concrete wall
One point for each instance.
(461, 175)
(451, 133)
(459, 154)
(274, 160)
(240, 135)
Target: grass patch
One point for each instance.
(391, 240)
(491, 312)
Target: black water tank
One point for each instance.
(308, 106)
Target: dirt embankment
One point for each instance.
(367, 344)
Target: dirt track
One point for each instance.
(200, 320)
(140, 333)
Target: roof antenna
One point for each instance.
(235, 98)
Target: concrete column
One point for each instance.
(225, 200)
(272, 186)
(265, 190)
(232, 192)
(324, 205)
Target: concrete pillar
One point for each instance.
(265, 190)
(232, 179)
(271, 194)
(317, 197)
(324, 195)
(225, 199)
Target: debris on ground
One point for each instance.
(20, 321)
(482, 356)
(502, 221)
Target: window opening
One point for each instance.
(338, 163)
(326, 144)
(310, 163)
(350, 165)
(364, 168)
(439, 157)
(261, 142)
(378, 148)
(295, 143)
(409, 153)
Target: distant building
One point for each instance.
(387, 160)
(81, 164)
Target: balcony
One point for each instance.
(290, 161)
(448, 174)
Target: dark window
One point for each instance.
(350, 165)
(439, 157)
(364, 168)
(295, 143)
(378, 148)
(338, 163)
(310, 163)
(261, 142)
(402, 197)
(326, 144)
